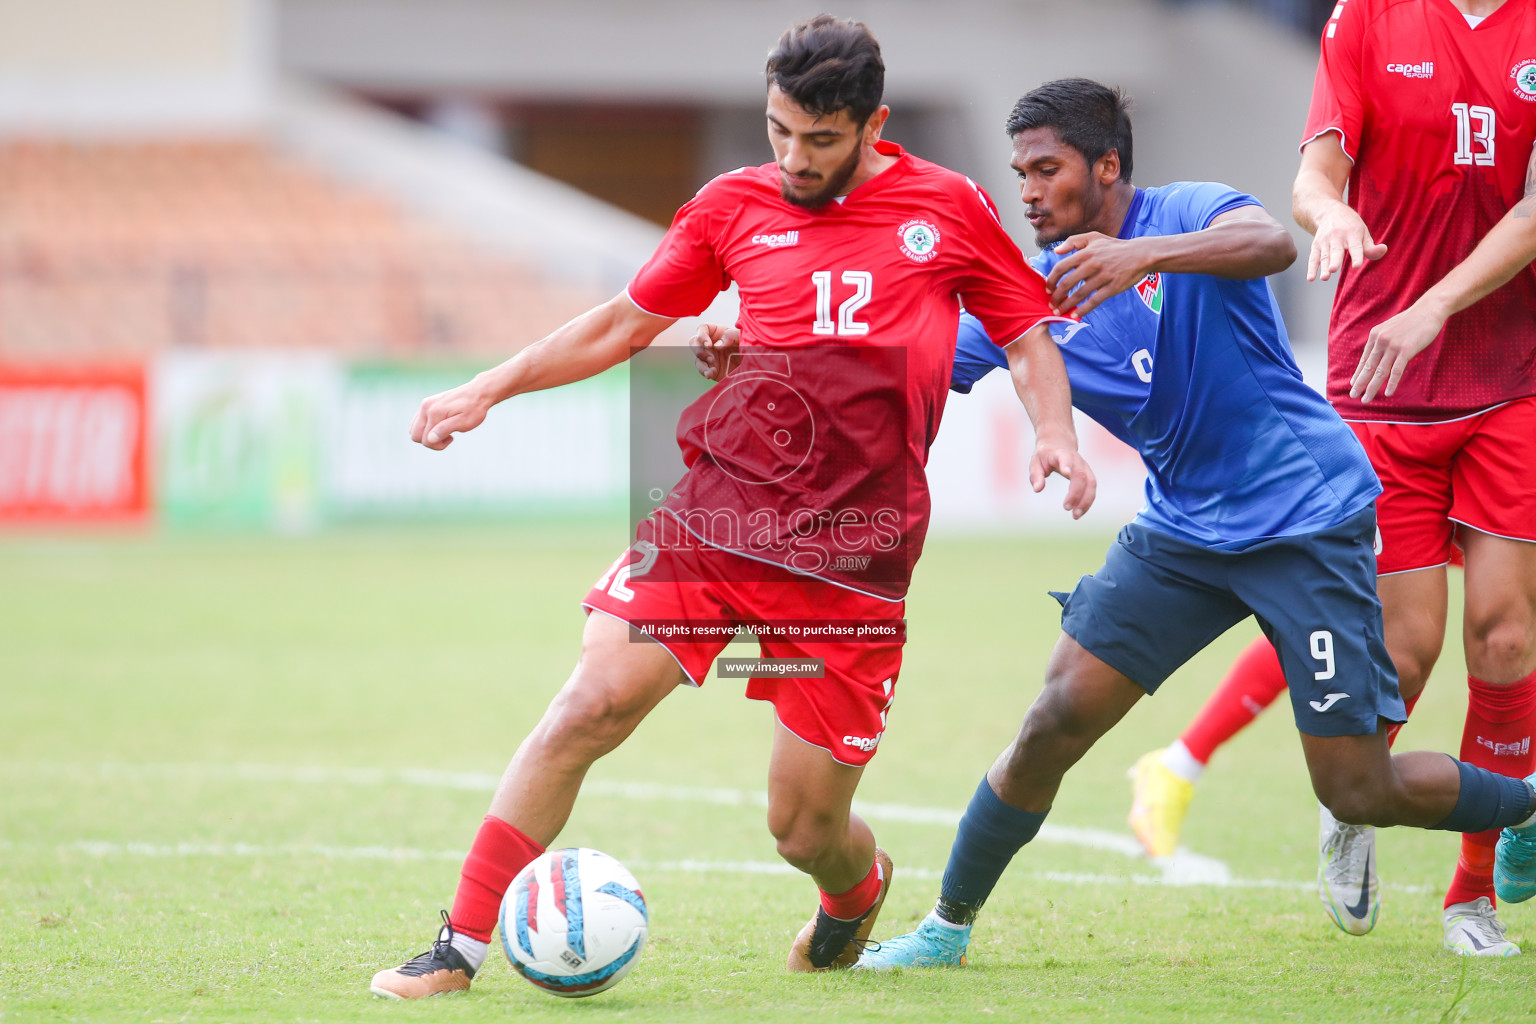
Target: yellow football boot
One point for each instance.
(1159, 801)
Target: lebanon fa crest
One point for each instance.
(1524, 76)
(1150, 288)
(919, 240)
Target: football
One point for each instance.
(574, 922)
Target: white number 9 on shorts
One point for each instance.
(1322, 650)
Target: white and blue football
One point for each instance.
(574, 922)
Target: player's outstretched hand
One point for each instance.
(714, 349)
(1082, 486)
(1389, 348)
(442, 415)
(1341, 231)
(1098, 268)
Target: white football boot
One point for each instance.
(1474, 929)
(1346, 873)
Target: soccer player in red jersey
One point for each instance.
(1426, 111)
(804, 500)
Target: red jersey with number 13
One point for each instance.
(1439, 118)
(812, 455)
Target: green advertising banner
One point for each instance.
(239, 438)
(548, 453)
(288, 442)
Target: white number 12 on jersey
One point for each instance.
(863, 283)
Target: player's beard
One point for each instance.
(1090, 204)
(1044, 241)
(836, 182)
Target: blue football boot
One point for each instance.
(1514, 862)
(935, 944)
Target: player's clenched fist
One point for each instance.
(442, 415)
(714, 347)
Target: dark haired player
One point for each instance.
(845, 246)
(1259, 502)
(1426, 111)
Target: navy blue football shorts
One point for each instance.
(1158, 600)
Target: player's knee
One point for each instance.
(591, 717)
(1055, 714)
(803, 839)
(1499, 643)
(1413, 668)
(801, 851)
(1355, 804)
(1050, 741)
(1042, 729)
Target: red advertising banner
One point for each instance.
(72, 443)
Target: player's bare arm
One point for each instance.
(1040, 378)
(1317, 203)
(598, 339)
(1244, 243)
(1508, 248)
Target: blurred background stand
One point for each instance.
(268, 227)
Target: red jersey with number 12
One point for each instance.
(812, 454)
(1439, 118)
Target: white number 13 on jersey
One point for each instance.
(1474, 127)
(863, 283)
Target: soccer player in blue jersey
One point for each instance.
(1258, 502)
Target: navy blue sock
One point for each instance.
(990, 833)
(1487, 801)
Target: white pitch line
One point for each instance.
(109, 849)
(106, 849)
(1183, 868)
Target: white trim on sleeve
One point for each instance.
(631, 297)
(1037, 323)
(1343, 140)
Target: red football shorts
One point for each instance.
(1479, 471)
(692, 599)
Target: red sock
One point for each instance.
(1500, 723)
(1252, 684)
(845, 906)
(499, 853)
(1474, 869)
(1409, 702)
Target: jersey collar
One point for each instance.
(1453, 14)
(885, 178)
(1128, 226)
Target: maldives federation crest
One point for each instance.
(1524, 76)
(919, 240)
(1150, 288)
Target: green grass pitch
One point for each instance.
(226, 794)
